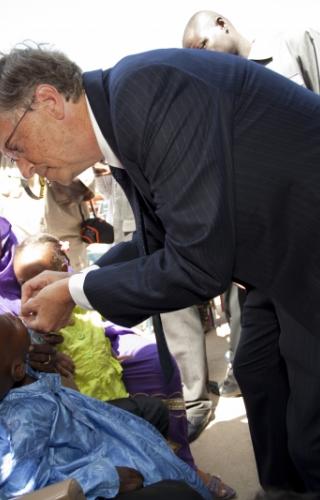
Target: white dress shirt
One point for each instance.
(76, 281)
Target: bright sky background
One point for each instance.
(97, 33)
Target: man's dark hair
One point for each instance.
(26, 66)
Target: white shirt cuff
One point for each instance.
(76, 282)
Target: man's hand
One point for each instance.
(31, 287)
(46, 303)
(130, 479)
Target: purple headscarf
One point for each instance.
(9, 287)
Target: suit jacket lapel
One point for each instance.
(94, 82)
(134, 185)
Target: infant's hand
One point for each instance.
(130, 479)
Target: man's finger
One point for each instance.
(28, 308)
(26, 293)
(29, 290)
(31, 287)
(32, 321)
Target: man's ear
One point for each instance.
(18, 371)
(222, 22)
(49, 97)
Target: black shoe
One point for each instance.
(213, 387)
(230, 387)
(198, 424)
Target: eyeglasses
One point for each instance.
(12, 152)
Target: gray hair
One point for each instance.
(25, 67)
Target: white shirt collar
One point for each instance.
(108, 155)
(261, 49)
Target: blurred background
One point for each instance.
(100, 32)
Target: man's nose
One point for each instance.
(26, 168)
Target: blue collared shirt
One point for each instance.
(49, 433)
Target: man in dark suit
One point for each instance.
(219, 158)
(265, 341)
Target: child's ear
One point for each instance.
(64, 267)
(18, 371)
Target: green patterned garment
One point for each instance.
(98, 374)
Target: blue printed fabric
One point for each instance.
(49, 433)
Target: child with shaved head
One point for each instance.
(14, 344)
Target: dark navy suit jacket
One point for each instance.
(223, 158)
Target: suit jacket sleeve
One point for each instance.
(121, 252)
(176, 132)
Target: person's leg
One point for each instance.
(301, 351)
(261, 373)
(142, 375)
(186, 341)
(175, 490)
(236, 305)
(151, 409)
(233, 305)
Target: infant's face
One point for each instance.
(14, 345)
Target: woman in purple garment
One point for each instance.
(142, 374)
(9, 287)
